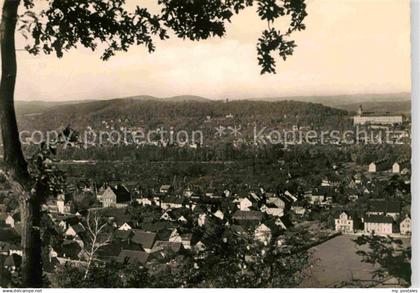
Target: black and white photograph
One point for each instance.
(206, 144)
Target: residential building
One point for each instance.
(125, 227)
(171, 202)
(219, 214)
(298, 210)
(74, 230)
(201, 221)
(244, 204)
(272, 209)
(385, 207)
(405, 226)
(372, 167)
(276, 201)
(144, 238)
(133, 257)
(378, 224)
(145, 201)
(10, 221)
(117, 196)
(247, 217)
(398, 167)
(165, 189)
(344, 223)
(263, 234)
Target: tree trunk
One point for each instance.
(13, 156)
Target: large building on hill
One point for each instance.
(363, 118)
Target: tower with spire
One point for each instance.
(360, 111)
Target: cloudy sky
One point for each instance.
(349, 46)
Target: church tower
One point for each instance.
(360, 111)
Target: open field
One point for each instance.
(336, 262)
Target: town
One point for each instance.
(162, 215)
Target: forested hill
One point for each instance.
(151, 113)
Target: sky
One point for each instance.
(349, 47)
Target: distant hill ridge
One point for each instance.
(181, 112)
(375, 102)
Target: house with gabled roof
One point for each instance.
(263, 234)
(10, 221)
(74, 230)
(298, 210)
(276, 201)
(71, 250)
(175, 236)
(247, 217)
(143, 238)
(186, 240)
(272, 209)
(199, 246)
(165, 189)
(171, 202)
(145, 200)
(168, 216)
(188, 192)
(244, 204)
(201, 221)
(290, 196)
(123, 235)
(315, 197)
(387, 207)
(219, 214)
(182, 220)
(405, 226)
(279, 223)
(117, 196)
(133, 257)
(167, 245)
(378, 224)
(125, 227)
(12, 262)
(344, 223)
(397, 167)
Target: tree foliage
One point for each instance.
(390, 254)
(65, 24)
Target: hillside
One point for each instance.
(342, 101)
(372, 102)
(396, 107)
(152, 113)
(37, 107)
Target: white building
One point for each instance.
(10, 221)
(273, 210)
(125, 227)
(372, 167)
(344, 223)
(376, 119)
(109, 198)
(201, 219)
(278, 202)
(219, 214)
(396, 168)
(62, 207)
(244, 204)
(165, 189)
(378, 224)
(144, 201)
(405, 226)
(263, 234)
